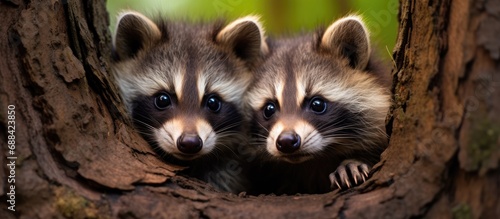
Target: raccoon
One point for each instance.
(183, 85)
(319, 105)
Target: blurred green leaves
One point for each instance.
(280, 17)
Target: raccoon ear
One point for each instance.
(245, 37)
(348, 38)
(133, 33)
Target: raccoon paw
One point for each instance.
(348, 174)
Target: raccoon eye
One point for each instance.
(269, 110)
(318, 105)
(214, 104)
(162, 101)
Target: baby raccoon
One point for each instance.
(183, 86)
(319, 105)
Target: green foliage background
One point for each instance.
(280, 17)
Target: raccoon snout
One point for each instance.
(189, 143)
(288, 142)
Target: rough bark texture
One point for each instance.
(78, 157)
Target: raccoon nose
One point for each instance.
(189, 143)
(288, 142)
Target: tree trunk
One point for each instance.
(77, 156)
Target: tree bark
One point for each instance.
(77, 156)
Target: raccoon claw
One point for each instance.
(350, 173)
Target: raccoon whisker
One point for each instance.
(231, 138)
(311, 135)
(258, 146)
(224, 148)
(348, 127)
(213, 155)
(221, 129)
(345, 139)
(219, 149)
(260, 136)
(225, 126)
(151, 128)
(230, 128)
(228, 148)
(340, 140)
(346, 152)
(329, 126)
(145, 124)
(163, 154)
(265, 129)
(346, 136)
(345, 147)
(308, 140)
(230, 122)
(148, 134)
(147, 119)
(145, 133)
(225, 129)
(345, 131)
(223, 135)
